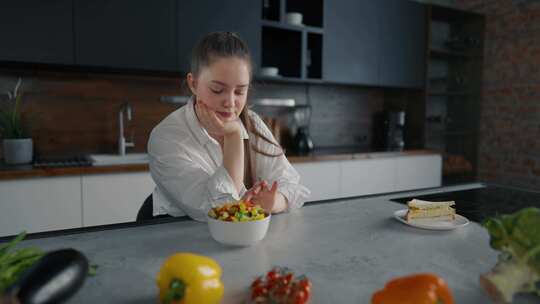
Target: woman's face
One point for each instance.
(222, 86)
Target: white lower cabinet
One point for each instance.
(415, 172)
(114, 198)
(347, 178)
(54, 203)
(367, 176)
(321, 178)
(40, 204)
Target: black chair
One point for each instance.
(146, 211)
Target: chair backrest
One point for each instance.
(146, 211)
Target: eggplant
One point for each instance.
(52, 279)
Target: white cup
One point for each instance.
(269, 71)
(294, 18)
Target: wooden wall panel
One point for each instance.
(78, 113)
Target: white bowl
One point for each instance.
(294, 18)
(269, 71)
(238, 233)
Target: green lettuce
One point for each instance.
(517, 237)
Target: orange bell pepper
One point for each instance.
(421, 288)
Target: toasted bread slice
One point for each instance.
(420, 204)
(425, 210)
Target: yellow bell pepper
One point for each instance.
(186, 278)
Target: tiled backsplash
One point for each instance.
(78, 112)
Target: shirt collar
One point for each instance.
(200, 133)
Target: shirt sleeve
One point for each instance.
(186, 182)
(277, 168)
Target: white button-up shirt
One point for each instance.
(186, 164)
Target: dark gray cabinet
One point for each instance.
(402, 44)
(36, 31)
(136, 34)
(197, 18)
(378, 43)
(350, 41)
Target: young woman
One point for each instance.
(214, 150)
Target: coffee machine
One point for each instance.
(388, 131)
(302, 143)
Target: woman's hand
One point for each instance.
(269, 198)
(213, 124)
(257, 187)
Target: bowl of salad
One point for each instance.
(240, 223)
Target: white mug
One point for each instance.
(294, 18)
(269, 71)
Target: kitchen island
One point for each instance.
(349, 248)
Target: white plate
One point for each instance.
(460, 221)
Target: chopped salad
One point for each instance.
(242, 211)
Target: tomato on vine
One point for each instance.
(279, 285)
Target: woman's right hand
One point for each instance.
(213, 124)
(257, 187)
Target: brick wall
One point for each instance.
(509, 148)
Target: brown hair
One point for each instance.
(226, 45)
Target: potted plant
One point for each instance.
(17, 144)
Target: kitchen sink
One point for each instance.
(116, 159)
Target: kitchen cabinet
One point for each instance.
(415, 172)
(197, 18)
(380, 43)
(321, 178)
(55, 203)
(40, 204)
(37, 31)
(114, 198)
(351, 41)
(367, 176)
(346, 178)
(402, 41)
(126, 34)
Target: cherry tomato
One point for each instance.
(259, 291)
(299, 297)
(305, 285)
(288, 278)
(257, 282)
(272, 275)
(279, 285)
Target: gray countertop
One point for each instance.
(348, 248)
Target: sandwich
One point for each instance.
(425, 210)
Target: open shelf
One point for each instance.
(451, 54)
(450, 93)
(314, 56)
(271, 79)
(312, 11)
(292, 27)
(295, 49)
(453, 14)
(453, 89)
(282, 48)
(271, 10)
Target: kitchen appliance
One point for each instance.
(388, 130)
(302, 143)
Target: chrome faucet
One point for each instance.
(122, 143)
